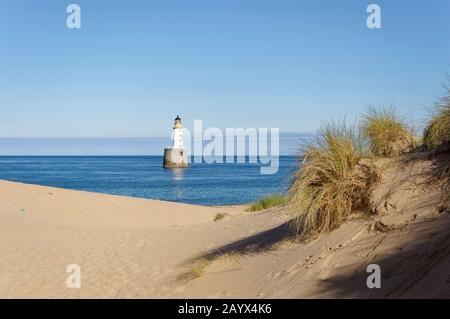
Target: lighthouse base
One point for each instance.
(175, 158)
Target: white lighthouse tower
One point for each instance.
(176, 155)
(177, 134)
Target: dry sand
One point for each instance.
(128, 247)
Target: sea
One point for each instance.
(144, 177)
(133, 167)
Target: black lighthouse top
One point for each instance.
(177, 122)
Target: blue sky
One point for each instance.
(135, 65)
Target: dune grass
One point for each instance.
(387, 133)
(268, 201)
(198, 265)
(437, 131)
(330, 183)
(196, 269)
(220, 216)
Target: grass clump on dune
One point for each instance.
(196, 269)
(220, 216)
(199, 265)
(331, 183)
(386, 133)
(437, 131)
(268, 202)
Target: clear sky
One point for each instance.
(135, 65)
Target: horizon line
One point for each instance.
(115, 137)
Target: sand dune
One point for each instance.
(138, 248)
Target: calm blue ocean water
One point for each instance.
(143, 176)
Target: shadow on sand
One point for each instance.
(419, 268)
(260, 242)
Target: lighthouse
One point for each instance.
(175, 156)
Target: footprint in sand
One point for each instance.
(269, 275)
(284, 272)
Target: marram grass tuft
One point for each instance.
(331, 182)
(437, 131)
(267, 202)
(387, 134)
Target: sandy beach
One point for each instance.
(129, 247)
